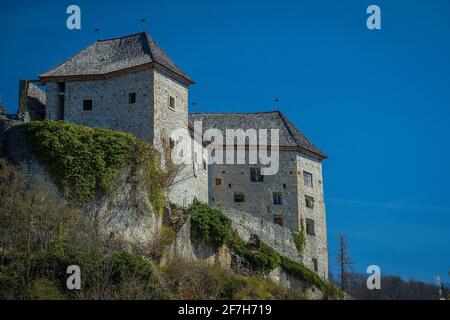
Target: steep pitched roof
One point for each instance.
(106, 56)
(290, 136)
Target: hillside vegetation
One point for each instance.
(210, 225)
(42, 232)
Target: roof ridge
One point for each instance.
(285, 122)
(289, 125)
(122, 37)
(147, 42)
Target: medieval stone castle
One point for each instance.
(130, 84)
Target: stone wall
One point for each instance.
(191, 183)
(258, 195)
(31, 100)
(316, 245)
(280, 276)
(184, 247)
(110, 106)
(289, 182)
(168, 119)
(188, 185)
(278, 237)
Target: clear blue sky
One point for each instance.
(377, 102)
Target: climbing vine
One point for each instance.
(84, 162)
(212, 226)
(299, 238)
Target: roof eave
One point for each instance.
(105, 76)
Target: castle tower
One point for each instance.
(126, 84)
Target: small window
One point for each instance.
(61, 86)
(218, 181)
(277, 198)
(87, 104)
(309, 201)
(132, 98)
(284, 185)
(310, 227)
(171, 102)
(315, 264)
(255, 175)
(277, 219)
(239, 197)
(171, 143)
(204, 164)
(307, 179)
(229, 185)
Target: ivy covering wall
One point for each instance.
(84, 162)
(212, 226)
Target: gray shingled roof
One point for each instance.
(290, 136)
(105, 56)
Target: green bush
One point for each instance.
(10, 283)
(301, 272)
(299, 240)
(84, 162)
(53, 264)
(212, 226)
(80, 160)
(125, 265)
(103, 275)
(228, 285)
(209, 225)
(258, 254)
(266, 289)
(44, 289)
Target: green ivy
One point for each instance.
(84, 162)
(299, 240)
(300, 271)
(209, 225)
(212, 226)
(257, 253)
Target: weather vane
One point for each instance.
(143, 24)
(97, 30)
(277, 103)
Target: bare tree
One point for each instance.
(344, 263)
(172, 171)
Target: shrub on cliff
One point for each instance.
(209, 225)
(84, 162)
(212, 226)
